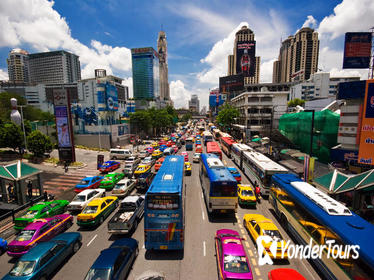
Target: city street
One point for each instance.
(198, 259)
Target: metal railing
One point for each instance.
(13, 212)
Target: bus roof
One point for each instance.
(264, 162)
(217, 171)
(242, 147)
(169, 178)
(352, 229)
(228, 140)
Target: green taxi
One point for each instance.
(39, 211)
(110, 180)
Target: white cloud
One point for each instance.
(266, 71)
(179, 94)
(128, 82)
(4, 75)
(37, 24)
(310, 22)
(349, 15)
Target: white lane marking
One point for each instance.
(202, 212)
(204, 249)
(202, 196)
(143, 246)
(88, 244)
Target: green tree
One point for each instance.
(141, 121)
(186, 117)
(11, 136)
(38, 143)
(227, 115)
(295, 102)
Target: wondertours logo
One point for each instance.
(269, 248)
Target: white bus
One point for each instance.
(259, 170)
(236, 153)
(216, 133)
(207, 137)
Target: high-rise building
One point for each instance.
(162, 49)
(244, 36)
(194, 103)
(298, 57)
(57, 67)
(145, 73)
(18, 66)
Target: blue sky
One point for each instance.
(200, 34)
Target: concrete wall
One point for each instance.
(92, 140)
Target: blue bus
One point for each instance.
(310, 215)
(189, 144)
(164, 207)
(218, 185)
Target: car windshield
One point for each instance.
(84, 182)
(119, 186)
(274, 234)
(25, 235)
(79, 198)
(105, 165)
(89, 210)
(22, 268)
(140, 168)
(109, 178)
(247, 192)
(98, 274)
(235, 264)
(31, 213)
(128, 166)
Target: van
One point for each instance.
(120, 153)
(168, 151)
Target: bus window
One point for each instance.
(224, 191)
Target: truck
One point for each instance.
(128, 216)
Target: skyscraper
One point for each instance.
(298, 57)
(57, 67)
(145, 73)
(194, 103)
(162, 49)
(18, 66)
(244, 36)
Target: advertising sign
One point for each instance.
(62, 125)
(231, 83)
(357, 49)
(366, 150)
(111, 97)
(101, 101)
(245, 58)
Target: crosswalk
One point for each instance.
(67, 181)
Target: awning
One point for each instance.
(17, 171)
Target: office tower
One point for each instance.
(18, 66)
(57, 67)
(162, 48)
(298, 57)
(245, 46)
(145, 73)
(194, 104)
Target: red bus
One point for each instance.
(213, 148)
(226, 143)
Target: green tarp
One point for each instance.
(297, 128)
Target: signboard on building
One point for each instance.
(245, 58)
(231, 83)
(366, 150)
(63, 125)
(357, 49)
(107, 96)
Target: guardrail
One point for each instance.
(13, 212)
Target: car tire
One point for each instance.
(76, 246)
(43, 278)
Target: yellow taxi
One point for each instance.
(97, 211)
(154, 145)
(187, 168)
(166, 138)
(141, 169)
(282, 197)
(246, 195)
(257, 225)
(157, 154)
(321, 234)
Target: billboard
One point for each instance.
(357, 49)
(366, 150)
(107, 96)
(245, 58)
(231, 83)
(62, 125)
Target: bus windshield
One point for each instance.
(162, 202)
(223, 190)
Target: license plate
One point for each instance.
(223, 211)
(163, 247)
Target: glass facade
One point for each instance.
(145, 73)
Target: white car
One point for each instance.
(196, 157)
(148, 161)
(143, 154)
(83, 198)
(124, 187)
(132, 160)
